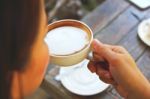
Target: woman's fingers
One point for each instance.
(103, 51)
(105, 80)
(103, 74)
(97, 57)
(91, 66)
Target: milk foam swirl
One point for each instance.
(66, 40)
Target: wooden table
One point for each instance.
(113, 22)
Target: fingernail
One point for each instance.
(94, 44)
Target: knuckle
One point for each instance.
(115, 59)
(100, 73)
(105, 80)
(89, 65)
(121, 47)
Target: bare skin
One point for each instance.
(27, 81)
(122, 71)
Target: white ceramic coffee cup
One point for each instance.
(74, 58)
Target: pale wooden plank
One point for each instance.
(144, 63)
(120, 27)
(104, 14)
(133, 44)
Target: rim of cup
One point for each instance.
(57, 23)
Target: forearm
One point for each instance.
(142, 95)
(142, 91)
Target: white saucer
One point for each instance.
(144, 31)
(141, 3)
(79, 80)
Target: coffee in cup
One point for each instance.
(68, 42)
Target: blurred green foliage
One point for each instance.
(75, 9)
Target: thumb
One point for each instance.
(102, 50)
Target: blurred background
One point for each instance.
(74, 9)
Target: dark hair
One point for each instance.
(19, 22)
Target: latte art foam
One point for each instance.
(66, 40)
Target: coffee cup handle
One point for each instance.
(104, 63)
(90, 56)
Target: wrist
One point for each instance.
(147, 92)
(142, 92)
